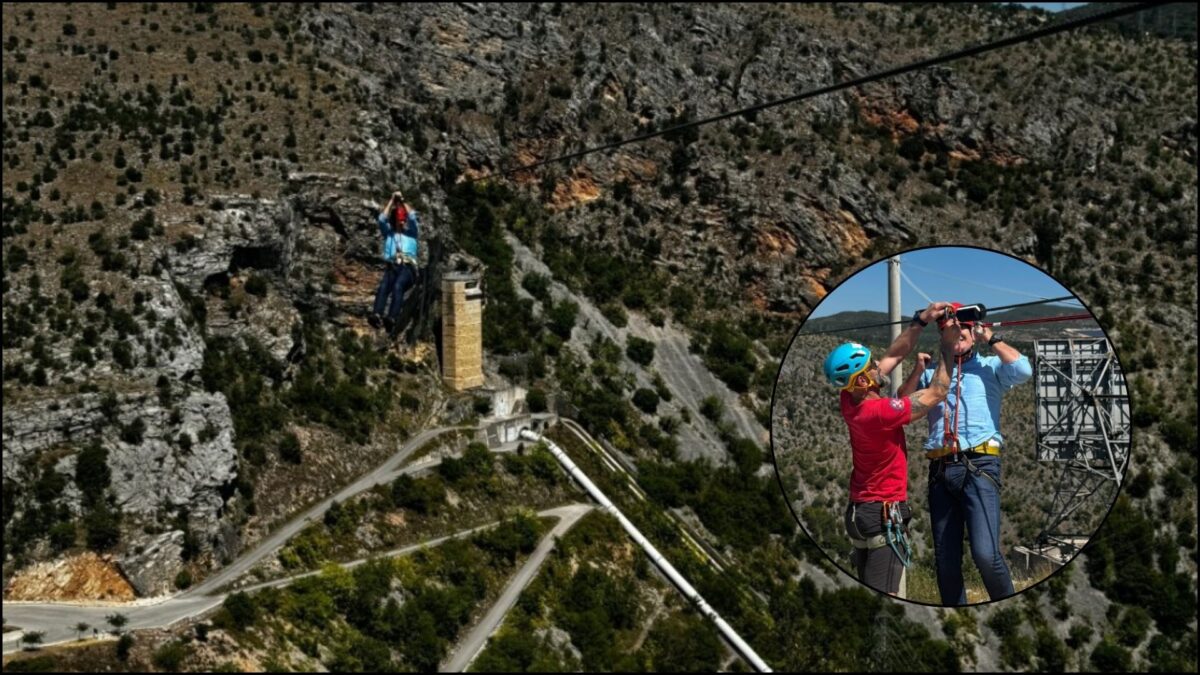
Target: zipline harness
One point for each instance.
(893, 528)
(893, 535)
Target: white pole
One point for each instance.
(682, 584)
(894, 316)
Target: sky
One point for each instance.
(950, 273)
(1052, 6)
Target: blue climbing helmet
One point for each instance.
(845, 363)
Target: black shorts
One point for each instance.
(880, 568)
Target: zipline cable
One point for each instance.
(990, 309)
(1045, 319)
(1045, 31)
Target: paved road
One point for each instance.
(58, 619)
(470, 646)
(379, 474)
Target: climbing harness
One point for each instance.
(893, 527)
(950, 442)
(857, 538)
(893, 535)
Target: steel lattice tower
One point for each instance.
(1083, 427)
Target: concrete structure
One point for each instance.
(462, 331)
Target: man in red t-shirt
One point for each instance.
(878, 512)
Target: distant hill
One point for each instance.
(879, 335)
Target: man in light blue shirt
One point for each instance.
(400, 229)
(964, 447)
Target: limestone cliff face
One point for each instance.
(148, 476)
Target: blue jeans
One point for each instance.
(396, 280)
(967, 493)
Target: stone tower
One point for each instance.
(462, 330)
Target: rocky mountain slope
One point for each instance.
(189, 256)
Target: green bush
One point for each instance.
(646, 400)
(133, 432)
(482, 405)
(1134, 626)
(242, 610)
(103, 525)
(124, 645)
(122, 354)
(536, 400)
(1108, 657)
(730, 357)
(561, 318)
(171, 655)
(639, 350)
(537, 285)
(143, 227)
(746, 455)
(289, 449)
(712, 408)
(423, 495)
(62, 536)
(92, 475)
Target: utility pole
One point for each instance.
(894, 315)
(898, 373)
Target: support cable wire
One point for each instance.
(1104, 13)
(993, 287)
(915, 287)
(990, 309)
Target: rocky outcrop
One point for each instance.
(156, 473)
(559, 641)
(152, 562)
(242, 233)
(82, 577)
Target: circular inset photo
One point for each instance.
(950, 425)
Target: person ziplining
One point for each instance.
(400, 228)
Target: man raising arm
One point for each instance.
(878, 510)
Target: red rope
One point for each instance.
(950, 438)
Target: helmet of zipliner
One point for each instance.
(845, 363)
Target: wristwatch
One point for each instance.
(917, 319)
(994, 340)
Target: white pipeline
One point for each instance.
(663, 564)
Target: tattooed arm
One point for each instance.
(939, 386)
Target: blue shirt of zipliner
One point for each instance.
(984, 381)
(399, 244)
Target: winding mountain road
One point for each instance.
(57, 619)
